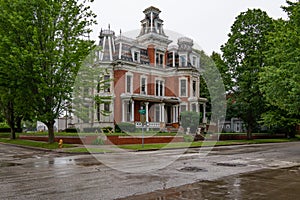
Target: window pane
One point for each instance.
(161, 88)
(157, 112)
(183, 88)
(182, 61)
(106, 83)
(194, 88)
(106, 107)
(143, 86)
(128, 84)
(156, 88)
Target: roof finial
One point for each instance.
(108, 26)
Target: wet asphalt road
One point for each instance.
(33, 174)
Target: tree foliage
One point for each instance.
(212, 88)
(50, 42)
(280, 79)
(16, 62)
(243, 55)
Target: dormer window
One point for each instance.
(136, 54)
(159, 59)
(194, 61)
(183, 60)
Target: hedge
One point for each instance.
(125, 127)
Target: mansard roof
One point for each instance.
(152, 41)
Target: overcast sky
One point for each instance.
(207, 22)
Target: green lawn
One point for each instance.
(31, 143)
(4, 137)
(205, 143)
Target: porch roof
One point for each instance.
(151, 98)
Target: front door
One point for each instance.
(169, 114)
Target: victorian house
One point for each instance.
(154, 78)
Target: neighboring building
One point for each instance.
(234, 125)
(149, 73)
(60, 124)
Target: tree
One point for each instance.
(61, 42)
(15, 62)
(243, 54)
(51, 47)
(189, 119)
(280, 79)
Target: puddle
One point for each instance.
(24, 156)
(264, 184)
(193, 169)
(231, 164)
(9, 164)
(87, 162)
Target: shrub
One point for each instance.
(98, 141)
(191, 120)
(92, 130)
(107, 129)
(3, 125)
(125, 127)
(188, 138)
(4, 130)
(71, 130)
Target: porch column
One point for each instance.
(132, 111)
(197, 107)
(159, 112)
(147, 112)
(173, 58)
(204, 113)
(174, 114)
(162, 112)
(123, 111)
(177, 113)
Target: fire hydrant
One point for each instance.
(60, 143)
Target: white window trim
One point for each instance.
(186, 87)
(196, 107)
(194, 58)
(163, 86)
(191, 88)
(109, 83)
(131, 82)
(159, 54)
(186, 59)
(146, 82)
(133, 51)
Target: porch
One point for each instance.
(160, 112)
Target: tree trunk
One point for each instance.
(19, 124)
(249, 133)
(12, 133)
(11, 120)
(50, 131)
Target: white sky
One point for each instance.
(207, 22)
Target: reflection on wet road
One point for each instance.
(266, 184)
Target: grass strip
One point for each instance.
(204, 144)
(31, 143)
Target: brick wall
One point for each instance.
(117, 140)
